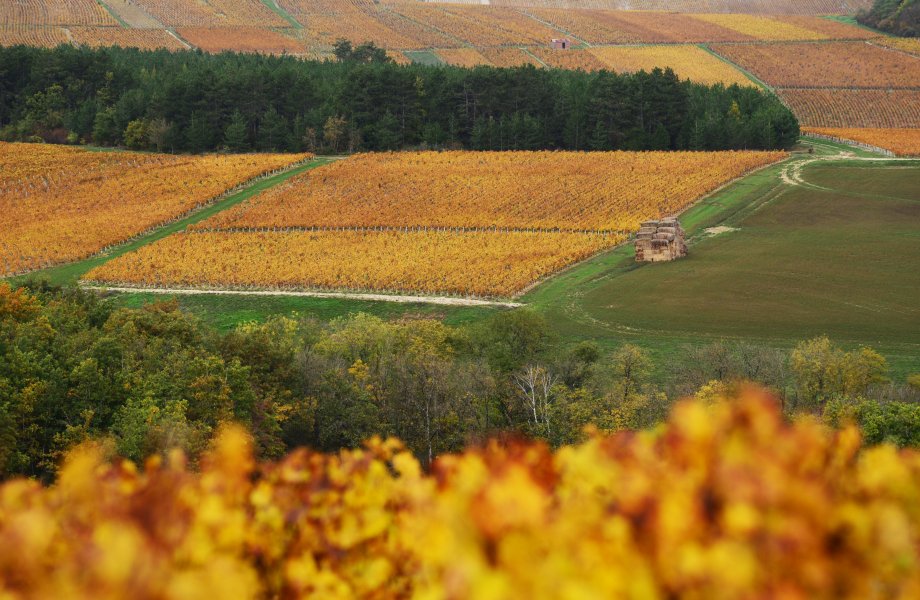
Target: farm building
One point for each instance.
(561, 44)
(660, 240)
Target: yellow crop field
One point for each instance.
(903, 142)
(601, 191)
(508, 57)
(424, 262)
(909, 45)
(28, 35)
(568, 59)
(462, 57)
(688, 62)
(762, 28)
(831, 29)
(145, 39)
(54, 12)
(241, 39)
(59, 204)
(726, 500)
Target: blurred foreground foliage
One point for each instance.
(727, 499)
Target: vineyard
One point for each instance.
(688, 62)
(214, 13)
(831, 65)
(902, 142)
(762, 28)
(608, 191)
(423, 262)
(60, 204)
(882, 109)
(464, 223)
(763, 7)
(146, 39)
(28, 35)
(568, 59)
(240, 39)
(909, 45)
(462, 57)
(727, 500)
(58, 12)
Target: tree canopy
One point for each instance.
(191, 102)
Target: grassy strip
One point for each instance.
(276, 8)
(70, 273)
(736, 66)
(226, 312)
(114, 15)
(423, 57)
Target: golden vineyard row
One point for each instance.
(725, 501)
(606, 191)
(59, 204)
(902, 142)
(432, 262)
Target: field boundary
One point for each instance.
(399, 298)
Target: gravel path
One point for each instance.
(443, 300)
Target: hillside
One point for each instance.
(773, 43)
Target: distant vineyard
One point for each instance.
(146, 39)
(59, 204)
(855, 108)
(425, 262)
(762, 28)
(831, 29)
(509, 57)
(214, 13)
(689, 62)
(767, 7)
(568, 59)
(909, 45)
(462, 57)
(29, 35)
(831, 64)
(462, 25)
(241, 39)
(903, 142)
(545, 190)
(54, 12)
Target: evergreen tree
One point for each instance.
(274, 132)
(236, 136)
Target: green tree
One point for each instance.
(136, 136)
(236, 134)
(105, 128)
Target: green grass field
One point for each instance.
(833, 257)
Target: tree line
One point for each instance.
(74, 367)
(898, 17)
(189, 101)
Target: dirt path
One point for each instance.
(442, 300)
(792, 173)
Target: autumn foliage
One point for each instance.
(60, 204)
(600, 191)
(421, 262)
(726, 500)
(903, 142)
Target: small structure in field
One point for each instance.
(660, 240)
(561, 44)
